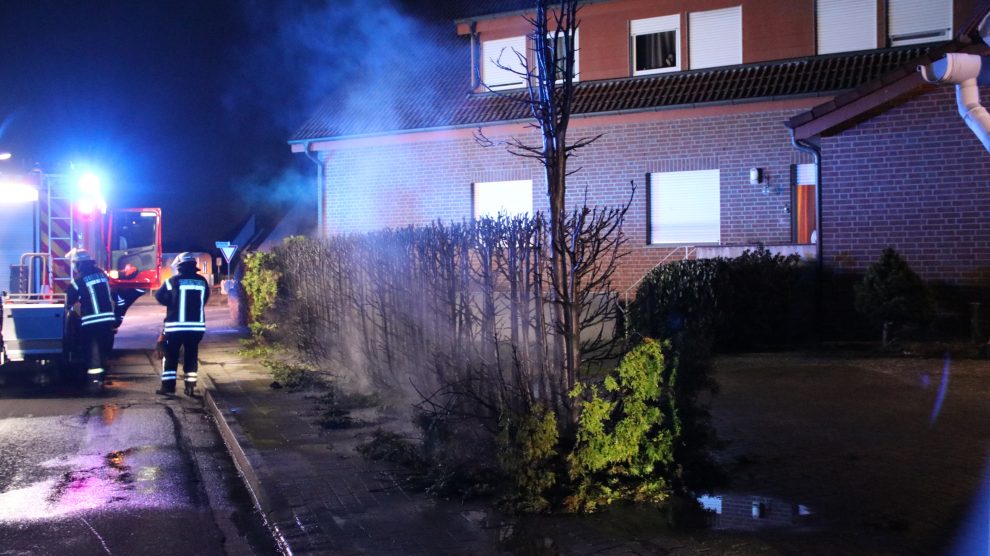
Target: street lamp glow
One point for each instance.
(5, 155)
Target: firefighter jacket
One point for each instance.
(184, 295)
(92, 291)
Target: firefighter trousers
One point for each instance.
(97, 341)
(188, 344)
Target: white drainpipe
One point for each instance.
(967, 72)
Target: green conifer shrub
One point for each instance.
(892, 295)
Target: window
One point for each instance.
(504, 53)
(656, 44)
(685, 207)
(845, 25)
(804, 200)
(715, 38)
(561, 49)
(919, 21)
(512, 198)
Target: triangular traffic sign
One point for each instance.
(228, 252)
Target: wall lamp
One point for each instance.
(758, 177)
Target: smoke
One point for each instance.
(285, 187)
(357, 64)
(304, 54)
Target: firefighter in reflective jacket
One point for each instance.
(90, 287)
(184, 295)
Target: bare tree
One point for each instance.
(550, 89)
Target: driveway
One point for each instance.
(855, 454)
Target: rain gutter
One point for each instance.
(582, 115)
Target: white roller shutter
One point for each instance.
(807, 174)
(655, 25)
(715, 38)
(919, 21)
(685, 207)
(512, 198)
(502, 52)
(846, 25)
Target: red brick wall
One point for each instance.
(913, 178)
(416, 182)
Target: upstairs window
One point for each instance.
(715, 38)
(919, 21)
(846, 25)
(500, 60)
(656, 44)
(685, 207)
(512, 198)
(561, 51)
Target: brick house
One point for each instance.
(713, 109)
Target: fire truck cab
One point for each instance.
(42, 217)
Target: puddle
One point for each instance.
(744, 512)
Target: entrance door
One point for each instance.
(805, 214)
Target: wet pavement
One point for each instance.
(828, 455)
(123, 472)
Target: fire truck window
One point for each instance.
(134, 232)
(134, 242)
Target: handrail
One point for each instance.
(26, 258)
(688, 251)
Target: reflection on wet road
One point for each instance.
(110, 459)
(123, 472)
(741, 512)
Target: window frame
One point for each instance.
(716, 18)
(712, 225)
(836, 17)
(500, 49)
(656, 25)
(500, 190)
(577, 54)
(921, 36)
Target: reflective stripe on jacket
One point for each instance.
(92, 291)
(185, 297)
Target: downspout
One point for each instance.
(967, 72)
(319, 187)
(816, 153)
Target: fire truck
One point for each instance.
(42, 217)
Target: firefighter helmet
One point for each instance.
(184, 258)
(78, 255)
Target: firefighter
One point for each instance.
(90, 287)
(184, 295)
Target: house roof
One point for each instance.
(444, 102)
(873, 96)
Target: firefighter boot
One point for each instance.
(167, 389)
(190, 380)
(94, 381)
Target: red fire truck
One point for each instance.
(43, 217)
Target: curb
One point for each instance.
(246, 461)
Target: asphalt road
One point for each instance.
(125, 472)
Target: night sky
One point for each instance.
(185, 104)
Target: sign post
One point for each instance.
(228, 251)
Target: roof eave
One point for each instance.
(582, 115)
(887, 90)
